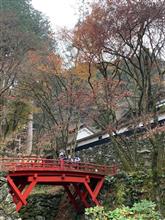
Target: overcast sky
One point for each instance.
(60, 12)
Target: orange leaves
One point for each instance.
(45, 63)
(109, 93)
(33, 56)
(74, 99)
(51, 64)
(116, 27)
(82, 70)
(89, 36)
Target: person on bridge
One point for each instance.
(77, 159)
(62, 156)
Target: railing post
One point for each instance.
(61, 164)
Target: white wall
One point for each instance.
(84, 132)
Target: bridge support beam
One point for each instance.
(82, 195)
(91, 193)
(26, 193)
(21, 186)
(83, 190)
(15, 191)
(82, 181)
(94, 193)
(72, 198)
(77, 188)
(19, 194)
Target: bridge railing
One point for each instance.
(33, 163)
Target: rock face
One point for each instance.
(41, 206)
(7, 207)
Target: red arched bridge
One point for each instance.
(81, 181)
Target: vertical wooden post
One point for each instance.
(82, 196)
(72, 198)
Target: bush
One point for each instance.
(126, 189)
(144, 210)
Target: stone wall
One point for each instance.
(48, 205)
(106, 154)
(42, 206)
(103, 154)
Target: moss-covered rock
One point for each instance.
(42, 206)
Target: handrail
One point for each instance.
(34, 163)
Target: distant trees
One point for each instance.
(23, 29)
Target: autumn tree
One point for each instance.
(125, 41)
(61, 97)
(130, 37)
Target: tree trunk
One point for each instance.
(29, 134)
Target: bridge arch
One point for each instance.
(80, 180)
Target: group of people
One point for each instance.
(75, 159)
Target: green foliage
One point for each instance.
(15, 118)
(144, 210)
(96, 213)
(127, 189)
(29, 19)
(18, 114)
(124, 189)
(121, 191)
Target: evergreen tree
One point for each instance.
(22, 30)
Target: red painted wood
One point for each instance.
(84, 196)
(58, 179)
(26, 193)
(18, 164)
(98, 187)
(72, 198)
(81, 195)
(30, 171)
(93, 196)
(15, 190)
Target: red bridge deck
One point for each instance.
(80, 180)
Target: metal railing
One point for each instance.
(33, 163)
